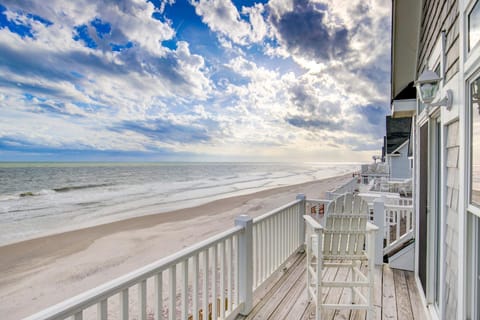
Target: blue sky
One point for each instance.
(199, 80)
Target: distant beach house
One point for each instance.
(397, 147)
(436, 45)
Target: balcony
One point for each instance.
(255, 270)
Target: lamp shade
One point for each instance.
(427, 86)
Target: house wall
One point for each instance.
(438, 15)
(452, 218)
(400, 165)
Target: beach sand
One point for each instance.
(38, 273)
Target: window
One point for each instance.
(473, 216)
(475, 138)
(473, 267)
(474, 26)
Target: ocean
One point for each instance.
(38, 199)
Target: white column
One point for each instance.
(301, 223)
(245, 256)
(379, 221)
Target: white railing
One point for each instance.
(398, 223)
(192, 273)
(210, 280)
(276, 236)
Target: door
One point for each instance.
(434, 210)
(422, 207)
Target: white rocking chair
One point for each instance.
(346, 240)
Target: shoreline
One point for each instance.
(35, 271)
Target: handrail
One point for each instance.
(275, 211)
(93, 296)
(249, 253)
(276, 236)
(397, 221)
(314, 224)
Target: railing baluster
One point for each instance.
(278, 235)
(124, 304)
(205, 284)
(289, 230)
(185, 289)
(222, 279)
(388, 224)
(102, 310)
(266, 253)
(398, 217)
(237, 269)
(195, 286)
(172, 282)
(158, 296)
(214, 282)
(255, 255)
(229, 244)
(285, 237)
(270, 246)
(78, 315)
(142, 300)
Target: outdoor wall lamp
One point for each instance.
(427, 87)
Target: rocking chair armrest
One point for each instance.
(315, 225)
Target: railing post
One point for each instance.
(301, 232)
(379, 221)
(245, 257)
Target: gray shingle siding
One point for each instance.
(451, 223)
(438, 15)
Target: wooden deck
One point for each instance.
(284, 296)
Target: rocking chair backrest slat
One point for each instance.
(345, 227)
(339, 204)
(348, 203)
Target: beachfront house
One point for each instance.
(436, 45)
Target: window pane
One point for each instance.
(475, 103)
(473, 267)
(474, 26)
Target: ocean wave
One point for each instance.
(87, 186)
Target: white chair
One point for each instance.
(347, 240)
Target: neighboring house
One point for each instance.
(443, 36)
(396, 146)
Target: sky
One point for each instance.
(197, 80)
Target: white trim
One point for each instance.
(398, 148)
(469, 210)
(473, 56)
(403, 107)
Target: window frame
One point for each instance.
(471, 208)
(472, 230)
(469, 46)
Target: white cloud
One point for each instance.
(256, 107)
(222, 16)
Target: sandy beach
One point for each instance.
(38, 273)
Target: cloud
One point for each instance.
(223, 17)
(304, 30)
(313, 124)
(165, 131)
(272, 78)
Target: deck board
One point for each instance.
(284, 296)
